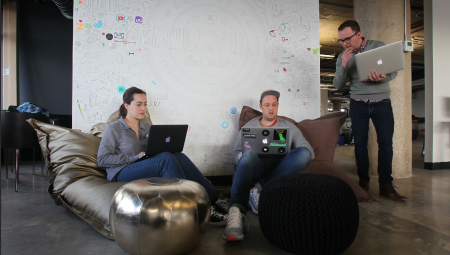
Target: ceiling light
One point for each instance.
(325, 56)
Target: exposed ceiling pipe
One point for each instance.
(335, 5)
(332, 46)
(65, 6)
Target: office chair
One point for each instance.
(18, 134)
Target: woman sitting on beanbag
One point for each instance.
(124, 142)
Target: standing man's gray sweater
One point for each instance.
(362, 89)
(296, 138)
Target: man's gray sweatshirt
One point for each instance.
(296, 138)
(362, 89)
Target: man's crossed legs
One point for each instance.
(250, 170)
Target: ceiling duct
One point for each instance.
(66, 6)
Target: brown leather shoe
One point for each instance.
(226, 192)
(390, 192)
(364, 185)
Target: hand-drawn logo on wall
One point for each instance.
(124, 41)
(121, 89)
(284, 28)
(120, 18)
(233, 110)
(154, 103)
(210, 17)
(213, 59)
(80, 26)
(109, 36)
(138, 19)
(99, 24)
(272, 33)
(119, 35)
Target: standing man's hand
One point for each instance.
(348, 54)
(374, 76)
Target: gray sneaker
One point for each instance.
(237, 225)
(254, 200)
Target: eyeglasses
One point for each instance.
(346, 40)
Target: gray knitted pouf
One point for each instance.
(309, 214)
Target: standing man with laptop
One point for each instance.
(252, 169)
(370, 99)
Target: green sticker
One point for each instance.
(278, 144)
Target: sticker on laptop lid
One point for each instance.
(280, 135)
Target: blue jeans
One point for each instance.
(166, 164)
(252, 169)
(383, 120)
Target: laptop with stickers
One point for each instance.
(266, 141)
(165, 138)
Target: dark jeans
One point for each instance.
(383, 120)
(168, 165)
(252, 169)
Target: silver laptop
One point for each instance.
(385, 59)
(165, 138)
(266, 141)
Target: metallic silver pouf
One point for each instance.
(159, 216)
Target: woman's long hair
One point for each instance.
(128, 96)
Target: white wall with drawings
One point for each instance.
(199, 61)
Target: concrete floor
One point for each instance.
(32, 223)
